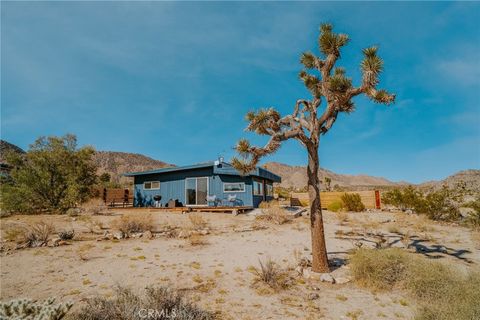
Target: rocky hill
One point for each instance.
(296, 177)
(466, 179)
(116, 163)
(6, 147)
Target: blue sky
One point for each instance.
(174, 80)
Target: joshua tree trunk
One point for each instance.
(319, 249)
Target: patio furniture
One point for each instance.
(232, 198)
(157, 199)
(214, 199)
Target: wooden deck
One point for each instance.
(233, 210)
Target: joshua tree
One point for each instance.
(328, 183)
(332, 93)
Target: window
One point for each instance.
(257, 188)
(269, 190)
(151, 185)
(234, 187)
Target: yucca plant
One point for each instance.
(332, 93)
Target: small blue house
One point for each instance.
(205, 184)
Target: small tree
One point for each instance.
(332, 93)
(54, 175)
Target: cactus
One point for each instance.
(26, 309)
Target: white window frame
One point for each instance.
(262, 194)
(151, 185)
(267, 185)
(196, 187)
(233, 191)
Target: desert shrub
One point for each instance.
(379, 269)
(66, 234)
(272, 275)
(440, 205)
(30, 309)
(53, 176)
(335, 206)
(164, 302)
(282, 192)
(473, 219)
(442, 292)
(135, 222)
(353, 202)
(197, 221)
(34, 235)
(272, 212)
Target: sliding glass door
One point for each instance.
(196, 191)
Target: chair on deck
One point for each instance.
(212, 198)
(232, 199)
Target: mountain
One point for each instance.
(467, 179)
(296, 177)
(116, 163)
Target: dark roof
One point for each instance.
(223, 168)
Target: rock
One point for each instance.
(183, 234)
(118, 235)
(408, 211)
(342, 280)
(56, 242)
(327, 277)
(148, 234)
(204, 232)
(313, 296)
(307, 273)
(136, 235)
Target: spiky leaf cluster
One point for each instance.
(311, 82)
(264, 121)
(330, 42)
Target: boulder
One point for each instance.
(148, 234)
(327, 277)
(342, 280)
(118, 235)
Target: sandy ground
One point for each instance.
(86, 267)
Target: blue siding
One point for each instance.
(172, 186)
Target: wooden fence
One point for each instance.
(371, 199)
(117, 197)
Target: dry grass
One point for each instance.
(31, 235)
(125, 305)
(135, 222)
(197, 221)
(273, 213)
(441, 292)
(95, 206)
(197, 240)
(271, 275)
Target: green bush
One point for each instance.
(437, 204)
(29, 309)
(442, 293)
(335, 206)
(473, 218)
(353, 202)
(53, 176)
